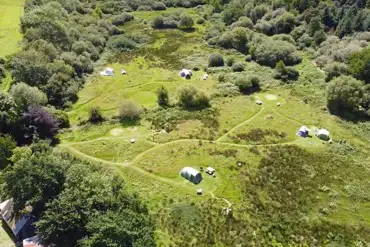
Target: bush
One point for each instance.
(263, 26)
(243, 22)
(247, 84)
(191, 98)
(158, 22)
(121, 19)
(269, 52)
(285, 73)
(248, 58)
(129, 110)
(335, 69)
(344, 94)
(238, 67)
(121, 43)
(236, 38)
(159, 6)
(162, 97)
(60, 116)
(230, 61)
(216, 60)
(186, 22)
(201, 21)
(95, 115)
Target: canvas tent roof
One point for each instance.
(191, 174)
(32, 242)
(323, 134)
(185, 73)
(107, 72)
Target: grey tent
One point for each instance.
(191, 174)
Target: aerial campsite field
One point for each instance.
(259, 159)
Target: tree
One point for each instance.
(95, 210)
(25, 96)
(129, 110)
(36, 123)
(30, 67)
(7, 144)
(162, 97)
(186, 21)
(359, 65)
(95, 115)
(344, 94)
(315, 25)
(35, 180)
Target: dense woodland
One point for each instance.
(80, 204)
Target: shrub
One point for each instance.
(238, 67)
(230, 61)
(243, 22)
(263, 26)
(121, 43)
(144, 8)
(216, 60)
(60, 116)
(335, 69)
(95, 115)
(247, 84)
(186, 21)
(201, 21)
(236, 38)
(162, 97)
(344, 94)
(191, 98)
(248, 58)
(319, 37)
(121, 19)
(285, 73)
(269, 52)
(159, 6)
(129, 110)
(158, 22)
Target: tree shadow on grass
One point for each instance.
(354, 117)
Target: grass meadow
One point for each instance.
(237, 137)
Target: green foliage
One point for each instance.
(216, 60)
(236, 38)
(192, 98)
(129, 111)
(35, 180)
(7, 144)
(344, 93)
(100, 207)
(158, 22)
(95, 115)
(186, 22)
(8, 111)
(231, 14)
(247, 84)
(122, 19)
(359, 65)
(269, 52)
(162, 97)
(25, 96)
(285, 73)
(238, 67)
(230, 61)
(335, 69)
(121, 43)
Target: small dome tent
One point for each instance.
(191, 174)
(303, 131)
(186, 73)
(323, 134)
(107, 72)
